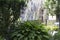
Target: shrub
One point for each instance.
(51, 28)
(57, 36)
(1, 38)
(30, 31)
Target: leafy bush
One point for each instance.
(57, 36)
(51, 28)
(30, 30)
(1, 38)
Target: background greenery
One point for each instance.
(12, 29)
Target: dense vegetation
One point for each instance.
(9, 14)
(53, 7)
(30, 31)
(12, 29)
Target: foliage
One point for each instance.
(10, 30)
(51, 28)
(57, 36)
(30, 31)
(51, 5)
(1, 38)
(9, 14)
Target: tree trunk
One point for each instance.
(58, 19)
(59, 24)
